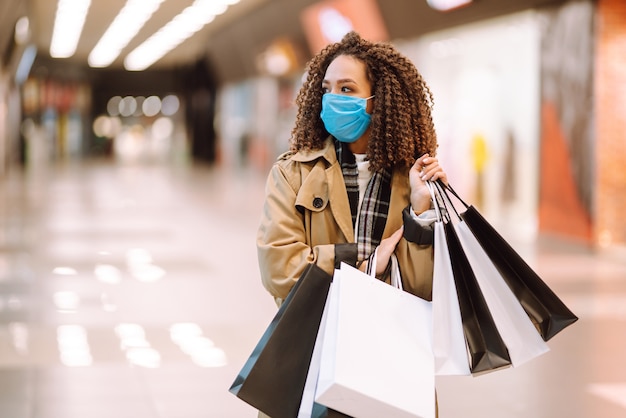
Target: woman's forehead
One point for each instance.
(346, 67)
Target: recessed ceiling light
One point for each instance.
(68, 25)
(175, 32)
(124, 27)
(447, 5)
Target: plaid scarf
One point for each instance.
(375, 206)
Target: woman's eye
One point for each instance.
(325, 90)
(346, 89)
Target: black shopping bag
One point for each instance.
(272, 379)
(542, 305)
(486, 348)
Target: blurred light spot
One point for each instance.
(66, 301)
(144, 357)
(211, 357)
(184, 330)
(138, 351)
(128, 105)
(113, 105)
(22, 30)
(19, 337)
(334, 24)
(147, 273)
(140, 265)
(162, 128)
(202, 350)
(614, 392)
(279, 58)
(170, 105)
(276, 64)
(447, 5)
(107, 127)
(151, 106)
(25, 64)
(73, 346)
(134, 342)
(107, 273)
(101, 126)
(138, 256)
(193, 346)
(64, 271)
(79, 357)
(130, 143)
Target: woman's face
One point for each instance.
(347, 75)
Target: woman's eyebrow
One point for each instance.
(343, 80)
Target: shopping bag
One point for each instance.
(308, 407)
(449, 346)
(272, 379)
(541, 304)
(485, 346)
(517, 330)
(376, 358)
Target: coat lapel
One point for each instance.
(336, 195)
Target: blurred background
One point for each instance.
(135, 137)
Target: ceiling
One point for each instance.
(102, 12)
(232, 42)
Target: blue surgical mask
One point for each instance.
(345, 117)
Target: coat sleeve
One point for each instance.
(282, 248)
(416, 268)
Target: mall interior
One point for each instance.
(135, 142)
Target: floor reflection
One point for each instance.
(132, 291)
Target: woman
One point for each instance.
(353, 180)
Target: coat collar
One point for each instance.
(336, 189)
(327, 152)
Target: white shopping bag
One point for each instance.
(449, 345)
(518, 332)
(376, 358)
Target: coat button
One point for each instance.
(318, 202)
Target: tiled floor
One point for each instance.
(131, 291)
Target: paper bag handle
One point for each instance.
(396, 280)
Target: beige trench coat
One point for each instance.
(307, 212)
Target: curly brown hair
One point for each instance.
(401, 128)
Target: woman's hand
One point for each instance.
(385, 249)
(425, 168)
